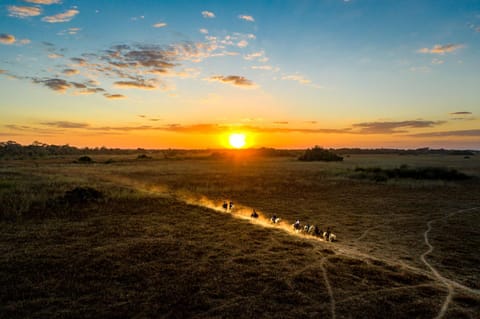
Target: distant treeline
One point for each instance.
(12, 149)
(394, 151)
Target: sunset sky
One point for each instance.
(288, 74)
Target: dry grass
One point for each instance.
(157, 247)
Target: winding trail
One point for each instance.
(450, 284)
(243, 212)
(329, 287)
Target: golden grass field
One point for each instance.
(159, 245)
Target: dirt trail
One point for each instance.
(450, 284)
(243, 212)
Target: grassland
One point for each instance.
(157, 244)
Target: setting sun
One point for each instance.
(237, 140)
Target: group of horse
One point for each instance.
(312, 230)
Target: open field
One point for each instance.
(157, 243)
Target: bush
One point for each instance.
(428, 173)
(84, 160)
(319, 154)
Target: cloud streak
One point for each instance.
(45, 2)
(246, 18)
(7, 38)
(394, 127)
(61, 17)
(159, 25)
(208, 14)
(23, 12)
(441, 49)
(235, 80)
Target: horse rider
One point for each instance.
(230, 205)
(254, 214)
(225, 205)
(297, 224)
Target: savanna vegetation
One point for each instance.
(146, 237)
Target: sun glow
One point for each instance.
(237, 140)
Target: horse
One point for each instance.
(296, 227)
(275, 219)
(331, 237)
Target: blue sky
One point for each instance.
(288, 73)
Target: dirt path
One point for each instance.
(450, 284)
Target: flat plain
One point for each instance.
(154, 241)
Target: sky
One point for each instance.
(287, 74)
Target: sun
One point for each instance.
(237, 140)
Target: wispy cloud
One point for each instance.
(114, 96)
(460, 133)
(208, 14)
(258, 56)
(203, 31)
(70, 72)
(46, 2)
(242, 44)
(235, 80)
(159, 25)
(441, 49)
(56, 84)
(297, 78)
(461, 113)
(61, 17)
(394, 127)
(23, 11)
(246, 18)
(462, 116)
(139, 84)
(7, 38)
(65, 124)
(70, 31)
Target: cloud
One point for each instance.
(55, 84)
(65, 124)
(159, 25)
(242, 44)
(441, 49)
(394, 127)
(233, 80)
(246, 18)
(296, 77)
(259, 56)
(7, 38)
(208, 14)
(61, 17)
(204, 31)
(437, 61)
(139, 84)
(262, 67)
(70, 31)
(461, 133)
(114, 96)
(70, 72)
(281, 122)
(23, 11)
(462, 116)
(461, 113)
(46, 2)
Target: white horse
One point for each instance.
(275, 220)
(329, 237)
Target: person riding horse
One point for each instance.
(254, 214)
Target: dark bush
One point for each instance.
(428, 173)
(84, 160)
(320, 154)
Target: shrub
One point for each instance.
(319, 154)
(84, 160)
